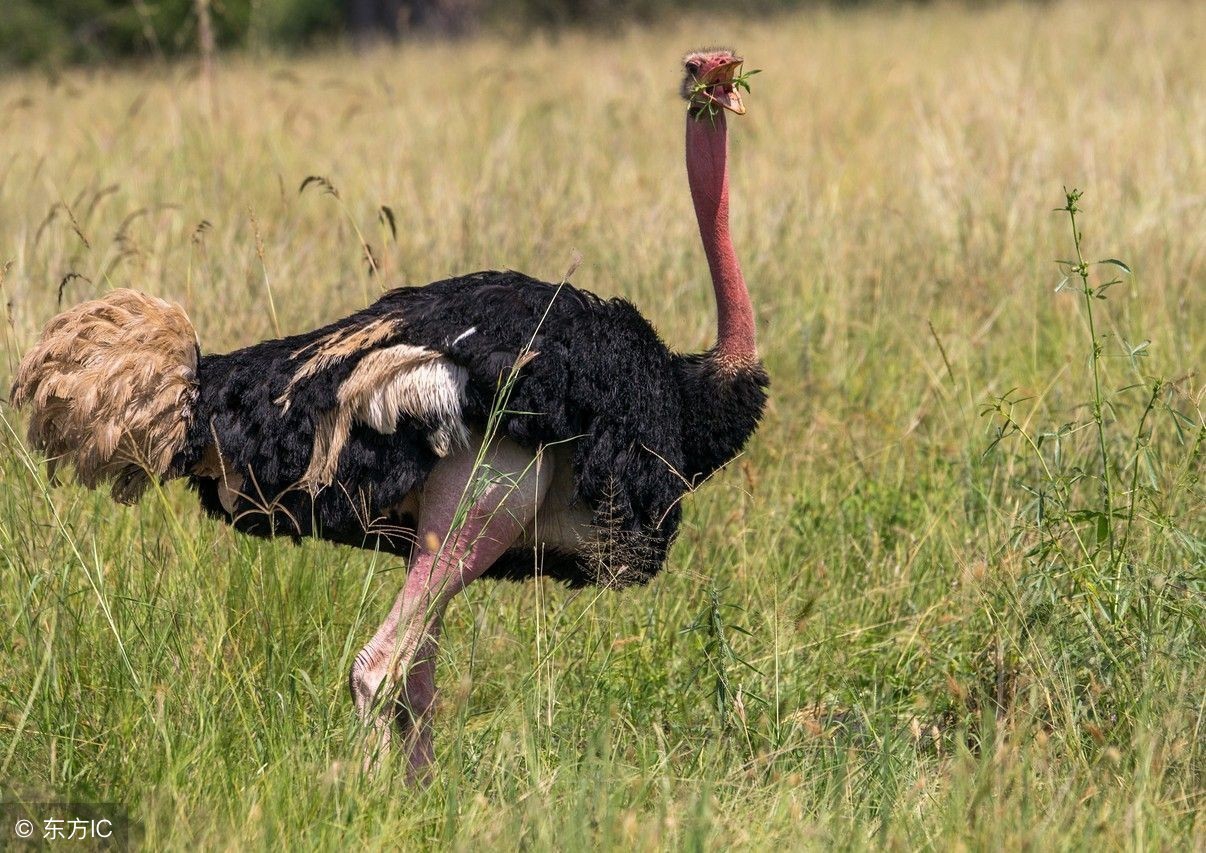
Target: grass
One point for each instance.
(896, 621)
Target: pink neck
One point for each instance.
(708, 175)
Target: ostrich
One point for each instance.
(486, 424)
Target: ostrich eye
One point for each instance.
(693, 67)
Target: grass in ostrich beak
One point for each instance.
(710, 104)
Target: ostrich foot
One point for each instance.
(396, 709)
(366, 684)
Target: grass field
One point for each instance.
(880, 627)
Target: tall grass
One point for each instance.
(894, 621)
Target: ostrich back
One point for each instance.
(330, 433)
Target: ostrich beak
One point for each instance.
(721, 90)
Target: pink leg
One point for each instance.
(461, 532)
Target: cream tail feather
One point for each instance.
(110, 388)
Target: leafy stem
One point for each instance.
(1081, 270)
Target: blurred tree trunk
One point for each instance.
(205, 44)
(448, 18)
(371, 20)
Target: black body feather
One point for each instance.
(643, 424)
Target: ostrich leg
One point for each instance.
(468, 517)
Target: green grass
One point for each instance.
(867, 634)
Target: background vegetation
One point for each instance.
(49, 33)
(922, 611)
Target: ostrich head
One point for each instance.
(708, 82)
